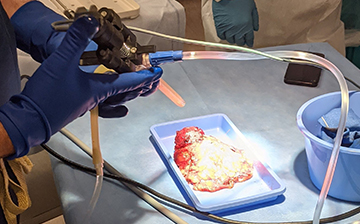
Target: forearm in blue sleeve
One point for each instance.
(33, 30)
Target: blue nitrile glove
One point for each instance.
(33, 30)
(59, 91)
(36, 36)
(236, 20)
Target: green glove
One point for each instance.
(236, 20)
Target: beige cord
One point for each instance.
(94, 119)
(97, 161)
(146, 197)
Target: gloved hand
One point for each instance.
(236, 20)
(59, 91)
(36, 36)
(34, 33)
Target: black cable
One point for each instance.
(183, 205)
(352, 82)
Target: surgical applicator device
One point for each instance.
(117, 47)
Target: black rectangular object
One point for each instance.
(303, 75)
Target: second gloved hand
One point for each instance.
(236, 21)
(59, 92)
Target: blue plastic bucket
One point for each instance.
(346, 181)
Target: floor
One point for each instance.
(194, 30)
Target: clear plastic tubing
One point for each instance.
(300, 58)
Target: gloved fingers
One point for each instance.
(78, 37)
(128, 82)
(34, 33)
(239, 39)
(121, 98)
(221, 35)
(113, 108)
(220, 29)
(229, 37)
(151, 89)
(255, 19)
(108, 111)
(157, 71)
(249, 39)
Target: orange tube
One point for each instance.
(163, 86)
(171, 94)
